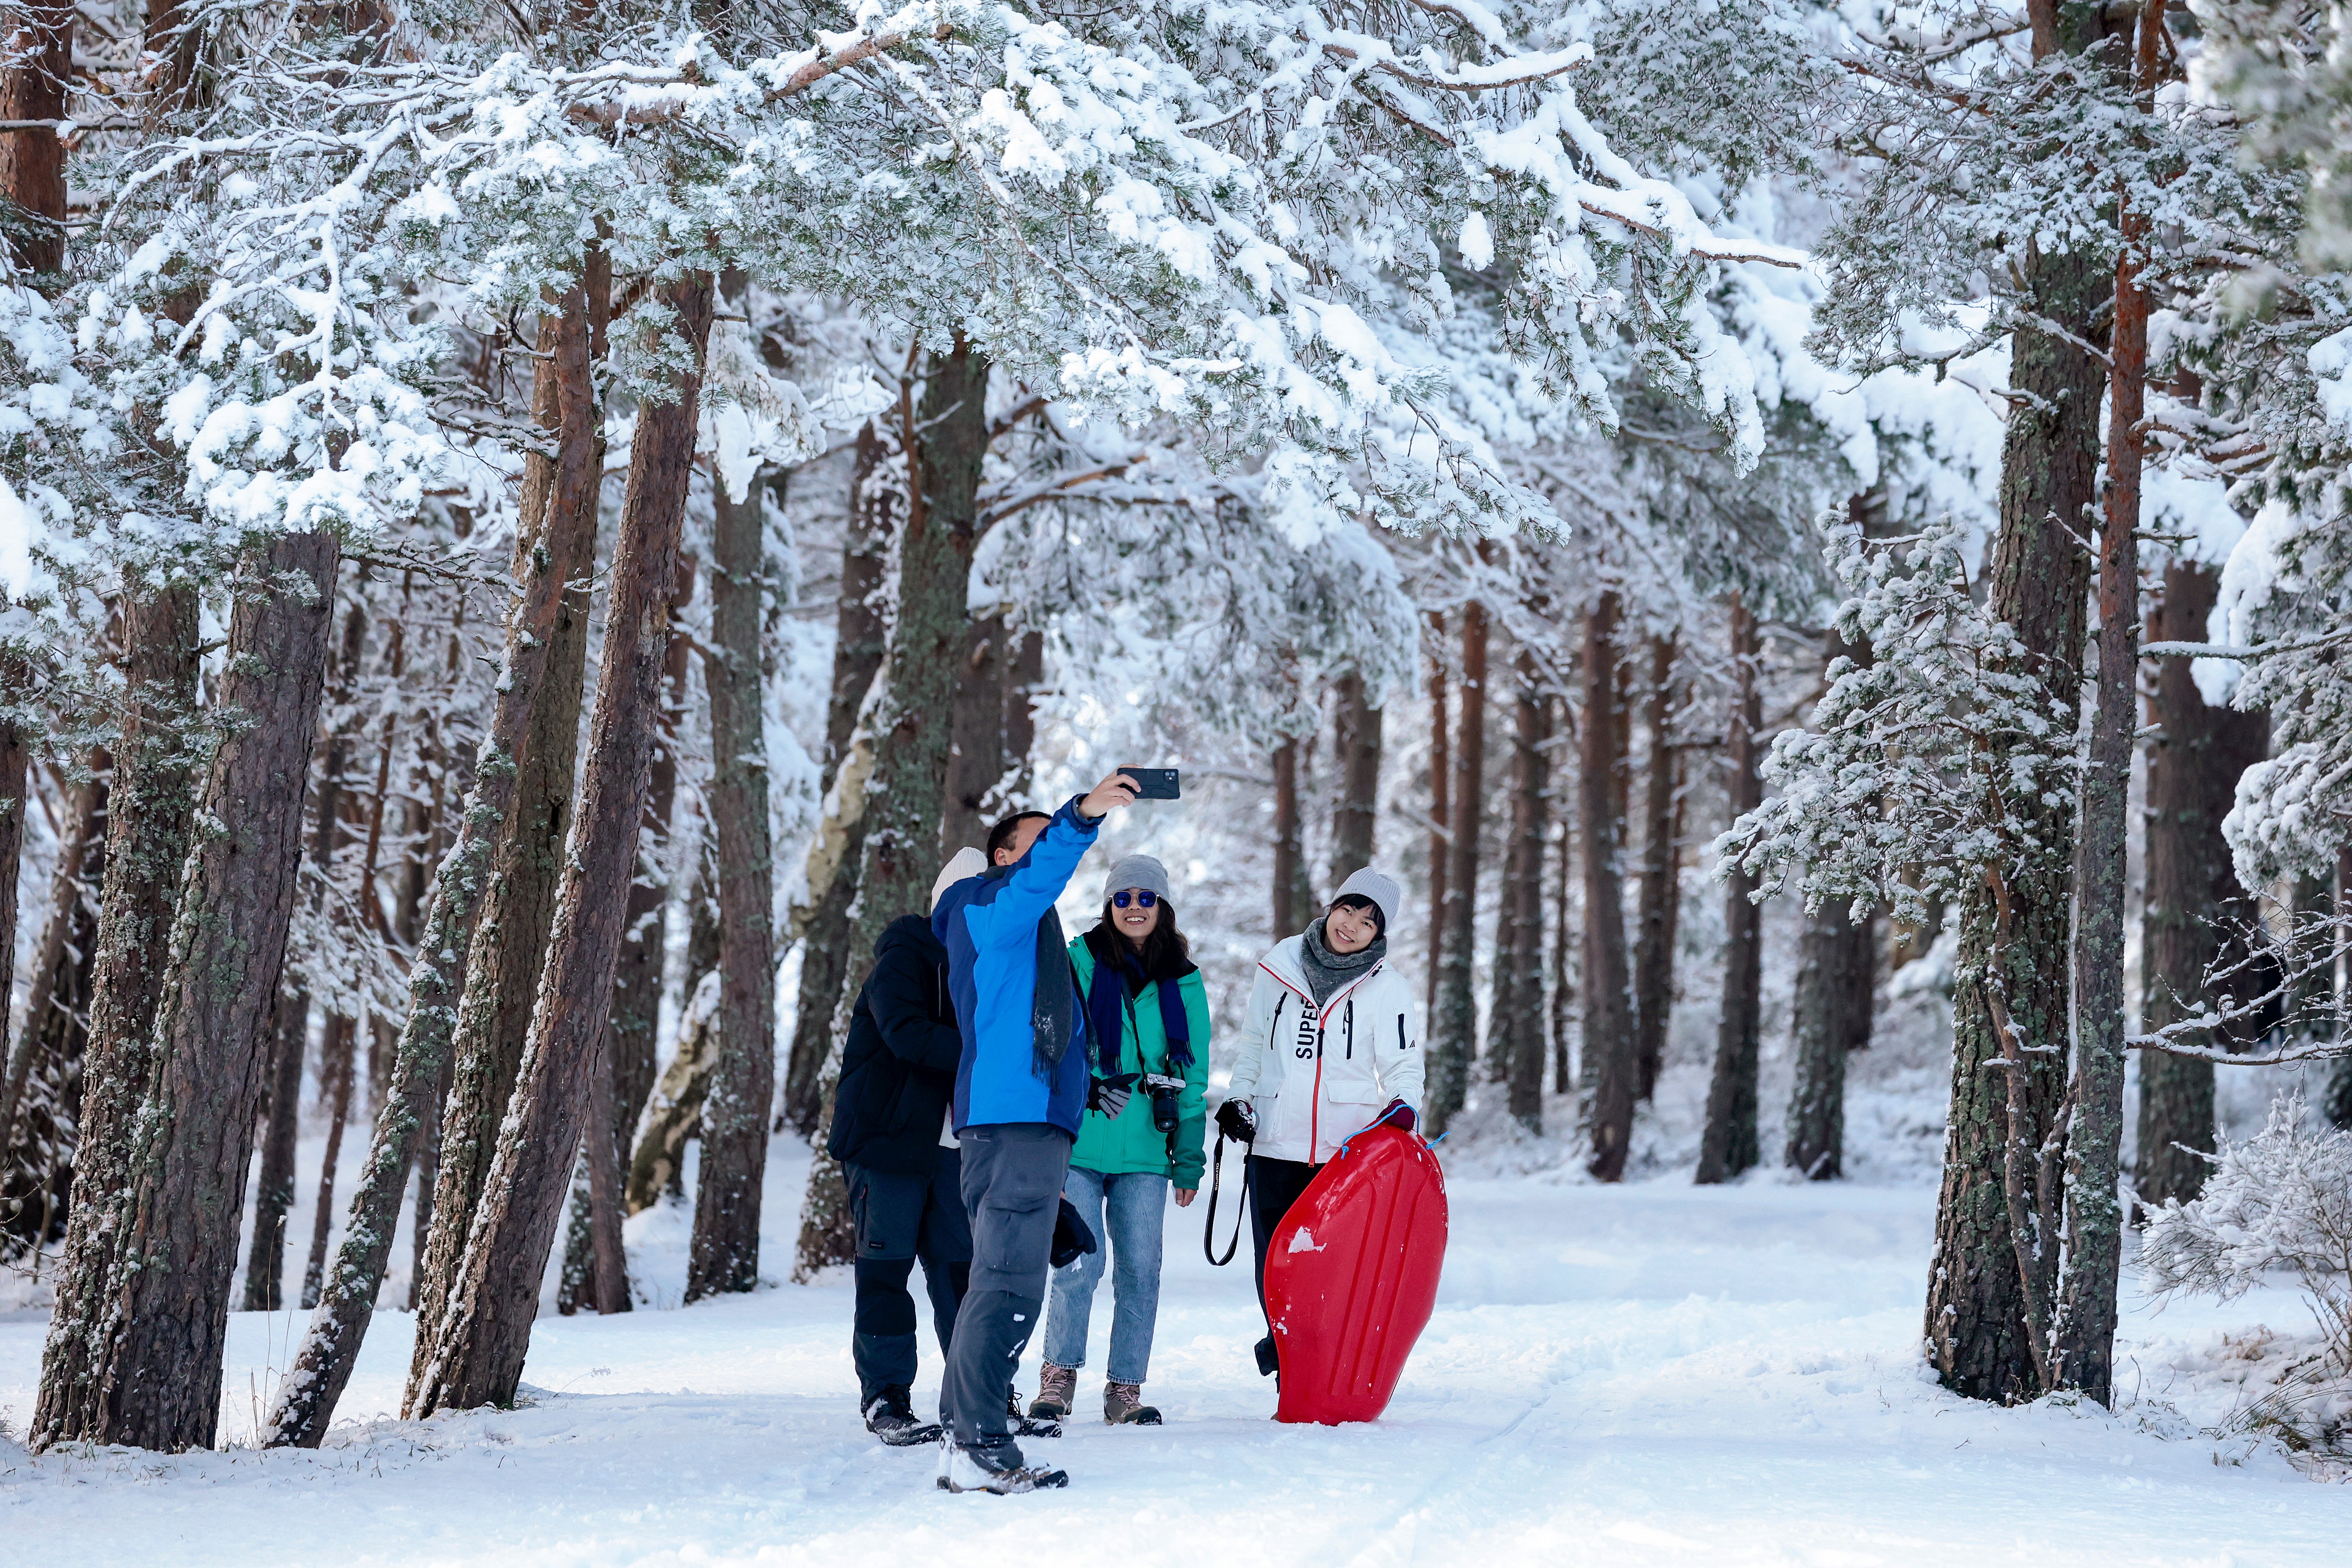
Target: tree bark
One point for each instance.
(338, 1068)
(2094, 1209)
(725, 1254)
(477, 1354)
(1832, 1018)
(976, 755)
(1563, 946)
(1655, 900)
(149, 811)
(1453, 1032)
(147, 1372)
(44, 1069)
(510, 943)
(2193, 900)
(1439, 781)
(874, 499)
(1294, 902)
(1729, 1145)
(1356, 742)
(264, 1257)
(898, 858)
(1977, 1291)
(554, 550)
(36, 74)
(1613, 1070)
(15, 757)
(1530, 800)
(595, 1263)
(674, 1114)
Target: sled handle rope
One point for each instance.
(1209, 1230)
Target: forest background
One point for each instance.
(529, 534)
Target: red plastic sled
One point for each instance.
(1351, 1274)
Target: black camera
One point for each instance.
(1164, 1091)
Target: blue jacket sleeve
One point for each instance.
(1008, 910)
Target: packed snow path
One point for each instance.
(1646, 1375)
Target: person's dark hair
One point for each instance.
(1000, 835)
(1165, 953)
(1357, 901)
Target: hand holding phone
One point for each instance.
(1156, 783)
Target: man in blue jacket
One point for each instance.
(1021, 1086)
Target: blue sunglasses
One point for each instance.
(1142, 898)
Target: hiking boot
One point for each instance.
(1268, 1362)
(890, 1416)
(1028, 1426)
(1058, 1390)
(1123, 1405)
(997, 1469)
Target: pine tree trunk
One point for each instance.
(265, 1257)
(897, 859)
(1661, 885)
(480, 1341)
(555, 548)
(674, 1114)
(1439, 783)
(976, 759)
(510, 930)
(1613, 1064)
(1454, 1026)
(875, 498)
(149, 812)
(148, 1372)
(45, 1064)
(1293, 904)
(1978, 1290)
(338, 1067)
(14, 755)
(595, 1263)
(1356, 742)
(1563, 946)
(36, 72)
(2094, 1209)
(1530, 797)
(2194, 761)
(1832, 1018)
(725, 1254)
(1729, 1145)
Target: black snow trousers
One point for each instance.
(1012, 1189)
(1274, 1186)
(902, 1216)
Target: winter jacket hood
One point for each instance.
(1316, 1074)
(990, 924)
(897, 1066)
(1128, 1142)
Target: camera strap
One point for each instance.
(1209, 1230)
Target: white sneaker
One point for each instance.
(998, 1470)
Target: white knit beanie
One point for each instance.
(1382, 891)
(966, 862)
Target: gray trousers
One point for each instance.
(1012, 1189)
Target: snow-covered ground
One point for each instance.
(1651, 1373)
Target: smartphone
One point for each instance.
(1158, 783)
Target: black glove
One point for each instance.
(1072, 1239)
(1109, 1096)
(1237, 1121)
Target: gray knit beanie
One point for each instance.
(1383, 892)
(1137, 871)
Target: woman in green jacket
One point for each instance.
(1148, 1024)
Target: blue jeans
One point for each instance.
(1138, 1207)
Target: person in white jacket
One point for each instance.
(1331, 1044)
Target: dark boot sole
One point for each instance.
(909, 1436)
(1050, 1481)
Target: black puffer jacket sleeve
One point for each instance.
(907, 993)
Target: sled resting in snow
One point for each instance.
(1351, 1274)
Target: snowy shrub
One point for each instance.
(2278, 1202)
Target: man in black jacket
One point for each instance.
(891, 1134)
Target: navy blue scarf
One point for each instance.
(1118, 975)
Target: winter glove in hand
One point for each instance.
(1109, 1096)
(1397, 1114)
(1237, 1121)
(1072, 1239)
